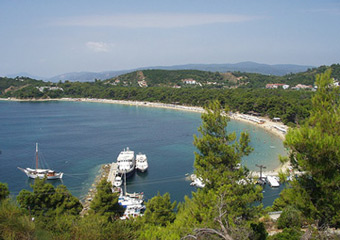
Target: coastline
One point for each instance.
(267, 124)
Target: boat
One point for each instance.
(126, 162)
(133, 211)
(272, 181)
(141, 162)
(118, 181)
(39, 172)
(198, 182)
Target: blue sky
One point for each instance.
(46, 38)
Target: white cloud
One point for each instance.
(154, 20)
(98, 46)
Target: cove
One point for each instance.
(78, 137)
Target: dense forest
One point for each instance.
(242, 92)
(207, 79)
(228, 207)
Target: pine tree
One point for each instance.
(315, 152)
(4, 192)
(219, 152)
(225, 207)
(105, 202)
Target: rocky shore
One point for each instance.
(102, 174)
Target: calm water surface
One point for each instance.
(77, 137)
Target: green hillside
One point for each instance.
(171, 78)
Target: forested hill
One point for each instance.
(243, 92)
(170, 78)
(197, 78)
(15, 84)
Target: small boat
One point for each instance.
(198, 183)
(130, 200)
(272, 181)
(133, 211)
(118, 181)
(141, 162)
(126, 162)
(41, 173)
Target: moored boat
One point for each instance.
(141, 162)
(39, 172)
(118, 181)
(126, 162)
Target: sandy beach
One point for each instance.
(276, 128)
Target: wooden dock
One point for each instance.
(112, 173)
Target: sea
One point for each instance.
(77, 138)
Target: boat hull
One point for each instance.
(128, 173)
(41, 176)
(42, 173)
(142, 169)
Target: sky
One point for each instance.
(46, 38)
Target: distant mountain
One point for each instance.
(86, 76)
(24, 74)
(250, 67)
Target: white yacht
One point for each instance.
(39, 172)
(141, 162)
(126, 162)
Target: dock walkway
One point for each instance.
(112, 173)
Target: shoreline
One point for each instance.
(268, 125)
(87, 199)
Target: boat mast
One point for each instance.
(125, 183)
(36, 156)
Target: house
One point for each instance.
(301, 86)
(142, 83)
(276, 85)
(41, 89)
(189, 81)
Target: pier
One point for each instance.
(113, 172)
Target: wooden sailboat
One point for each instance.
(41, 173)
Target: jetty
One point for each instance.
(113, 173)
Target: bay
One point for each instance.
(78, 137)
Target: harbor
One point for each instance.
(116, 173)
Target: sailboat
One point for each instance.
(41, 173)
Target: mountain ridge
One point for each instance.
(247, 66)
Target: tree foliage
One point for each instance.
(160, 210)
(105, 202)
(4, 192)
(225, 206)
(315, 151)
(14, 224)
(45, 200)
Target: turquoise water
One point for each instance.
(77, 137)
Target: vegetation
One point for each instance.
(247, 92)
(4, 192)
(217, 80)
(160, 210)
(45, 200)
(226, 204)
(105, 203)
(291, 106)
(315, 151)
(227, 208)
